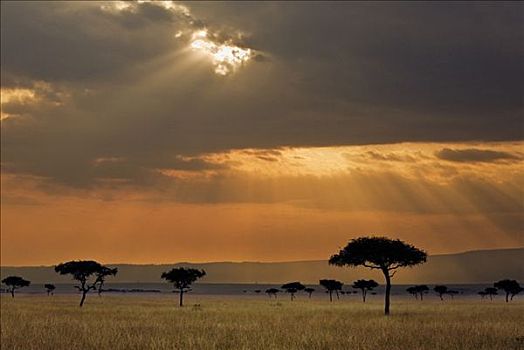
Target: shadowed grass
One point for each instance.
(140, 322)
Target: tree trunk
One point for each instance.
(100, 289)
(363, 295)
(421, 296)
(83, 298)
(338, 298)
(507, 295)
(388, 291)
(12, 293)
(330, 296)
(181, 301)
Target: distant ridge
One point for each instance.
(479, 266)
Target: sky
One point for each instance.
(158, 132)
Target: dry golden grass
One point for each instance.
(141, 322)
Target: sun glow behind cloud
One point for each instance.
(225, 55)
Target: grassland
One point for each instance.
(140, 322)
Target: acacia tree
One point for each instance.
(418, 290)
(182, 278)
(380, 253)
(309, 291)
(365, 286)
(292, 288)
(15, 282)
(331, 286)
(413, 291)
(516, 291)
(272, 292)
(491, 292)
(81, 271)
(50, 288)
(101, 277)
(441, 290)
(510, 287)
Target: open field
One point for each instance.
(141, 322)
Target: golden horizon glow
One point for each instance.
(408, 159)
(275, 205)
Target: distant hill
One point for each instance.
(483, 266)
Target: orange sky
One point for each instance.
(275, 205)
(148, 132)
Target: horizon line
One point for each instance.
(262, 262)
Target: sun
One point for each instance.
(226, 57)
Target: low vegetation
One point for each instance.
(155, 322)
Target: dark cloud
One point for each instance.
(475, 155)
(78, 41)
(334, 74)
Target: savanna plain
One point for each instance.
(142, 322)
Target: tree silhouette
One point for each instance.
(292, 288)
(331, 286)
(441, 290)
(182, 278)
(380, 253)
(491, 292)
(272, 292)
(482, 294)
(82, 271)
(516, 291)
(309, 291)
(101, 277)
(510, 287)
(50, 288)
(413, 291)
(364, 286)
(15, 282)
(418, 290)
